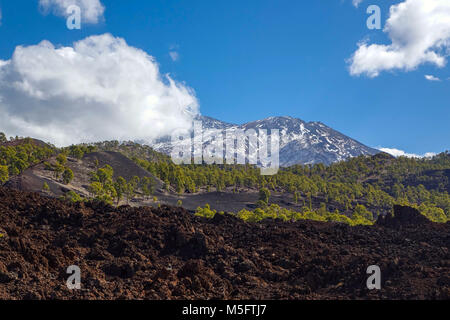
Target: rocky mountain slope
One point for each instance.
(300, 142)
(166, 253)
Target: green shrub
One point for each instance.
(205, 212)
(45, 187)
(73, 197)
(433, 213)
(276, 212)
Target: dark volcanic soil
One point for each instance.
(144, 253)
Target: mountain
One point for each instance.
(300, 142)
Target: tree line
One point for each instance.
(376, 183)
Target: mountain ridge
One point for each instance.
(301, 142)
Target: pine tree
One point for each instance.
(120, 186)
(76, 152)
(264, 195)
(61, 159)
(4, 174)
(67, 176)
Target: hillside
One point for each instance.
(166, 253)
(367, 184)
(34, 178)
(22, 141)
(360, 189)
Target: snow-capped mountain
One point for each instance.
(300, 142)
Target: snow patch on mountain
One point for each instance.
(300, 142)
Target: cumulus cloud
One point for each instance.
(430, 77)
(419, 31)
(91, 10)
(98, 89)
(400, 153)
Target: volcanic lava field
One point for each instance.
(167, 253)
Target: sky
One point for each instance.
(139, 69)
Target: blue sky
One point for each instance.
(252, 59)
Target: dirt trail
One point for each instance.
(166, 253)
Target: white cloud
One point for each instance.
(91, 10)
(400, 153)
(356, 3)
(175, 56)
(99, 89)
(420, 33)
(430, 77)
